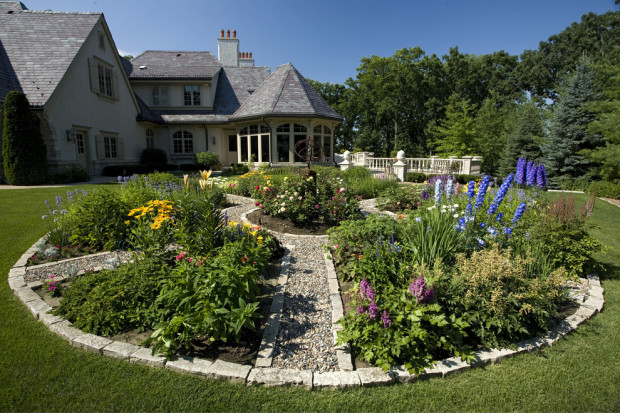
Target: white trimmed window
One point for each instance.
(160, 96)
(255, 142)
(323, 135)
(103, 79)
(182, 142)
(150, 138)
(191, 95)
(109, 146)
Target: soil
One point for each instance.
(285, 226)
(241, 353)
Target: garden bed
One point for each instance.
(285, 226)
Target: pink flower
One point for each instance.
(316, 206)
(257, 203)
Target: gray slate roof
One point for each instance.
(233, 88)
(11, 6)
(285, 93)
(174, 64)
(36, 49)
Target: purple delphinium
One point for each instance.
(438, 192)
(519, 212)
(471, 189)
(501, 193)
(449, 189)
(541, 176)
(531, 174)
(387, 322)
(425, 195)
(521, 170)
(482, 191)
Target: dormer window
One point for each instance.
(191, 95)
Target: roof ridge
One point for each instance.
(282, 84)
(94, 13)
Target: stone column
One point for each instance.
(346, 164)
(400, 167)
(467, 165)
(476, 165)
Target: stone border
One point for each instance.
(589, 304)
(244, 218)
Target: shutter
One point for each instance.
(94, 75)
(100, 146)
(120, 150)
(115, 85)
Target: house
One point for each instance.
(98, 109)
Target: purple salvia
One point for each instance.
(366, 290)
(360, 310)
(417, 288)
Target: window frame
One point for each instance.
(160, 96)
(182, 142)
(191, 95)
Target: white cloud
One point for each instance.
(125, 53)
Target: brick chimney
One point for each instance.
(228, 49)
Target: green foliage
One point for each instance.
(214, 297)
(98, 220)
(525, 138)
(154, 158)
(398, 199)
(207, 160)
(569, 137)
(562, 234)
(199, 225)
(417, 177)
(23, 148)
(245, 184)
(491, 124)
(67, 176)
(361, 182)
(112, 302)
(604, 189)
(304, 198)
(607, 118)
(429, 235)
(417, 334)
(499, 299)
(456, 135)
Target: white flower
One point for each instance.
(283, 203)
(290, 198)
(295, 193)
(455, 215)
(300, 198)
(282, 209)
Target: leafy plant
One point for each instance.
(207, 160)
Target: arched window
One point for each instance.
(323, 135)
(150, 138)
(287, 136)
(183, 142)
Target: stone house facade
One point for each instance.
(97, 108)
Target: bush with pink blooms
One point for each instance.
(308, 198)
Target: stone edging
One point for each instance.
(268, 376)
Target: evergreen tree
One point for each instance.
(23, 148)
(490, 125)
(607, 123)
(525, 138)
(569, 136)
(456, 135)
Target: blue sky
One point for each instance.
(325, 40)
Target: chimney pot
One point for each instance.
(227, 33)
(222, 33)
(250, 55)
(245, 55)
(234, 34)
(239, 55)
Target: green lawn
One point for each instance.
(41, 372)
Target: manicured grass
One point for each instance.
(41, 372)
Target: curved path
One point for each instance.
(298, 344)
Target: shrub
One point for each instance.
(576, 184)
(23, 148)
(604, 189)
(417, 177)
(67, 176)
(212, 297)
(154, 158)
(115, 301)
(500, 300)
(98, 220)
(207, 160)
(399, 198)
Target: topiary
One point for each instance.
(23, 147)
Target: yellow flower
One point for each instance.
(186, 179)
(205, 174)
(126, 222)
(232, 223)
(203, 184)
(156, 225)
(259, 240)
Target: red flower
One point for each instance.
(257, 203)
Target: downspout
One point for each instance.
(206, 136)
